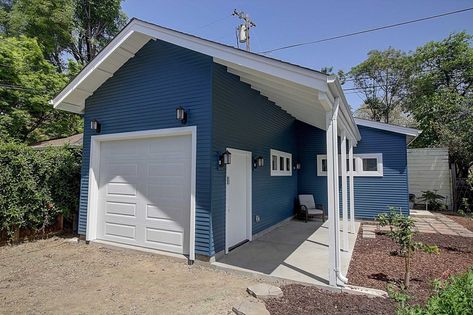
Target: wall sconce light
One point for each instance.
(297, 166)
(225, 158)
(258, 162)
(95, 125)
(181, 114)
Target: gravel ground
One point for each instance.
(54, 276)
(374, 264)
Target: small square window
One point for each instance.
(274, 162)
(370, 164)
(281, 163)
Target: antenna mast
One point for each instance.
(243, 30)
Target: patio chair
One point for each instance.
(309, 209)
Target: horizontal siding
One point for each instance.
(244, 119)
(144, 94)
(429, 170)
(373, 195)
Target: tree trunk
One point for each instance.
(407, 274)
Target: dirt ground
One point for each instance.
(55, 276)
(465, 221)
(375, 263)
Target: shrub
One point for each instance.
(453, 296)
(37, 185)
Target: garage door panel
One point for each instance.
(121, 189)
(120, 230)
(145, 195)
(120, 208)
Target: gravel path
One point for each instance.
(54, 276)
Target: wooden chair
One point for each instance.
(309, 209)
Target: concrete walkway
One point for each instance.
(425, 222)
(296, 251)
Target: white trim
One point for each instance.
(352, 187)
(382, 126)
(358, 172)
(249, 199)
(94, 171)
(343, 174)
(279, 155)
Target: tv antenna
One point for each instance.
(243, 30)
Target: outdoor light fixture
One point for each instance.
(181, 114)
(95, 125)
(258, 162)
(225, 158)
(297, 166)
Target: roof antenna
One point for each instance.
(243, 30)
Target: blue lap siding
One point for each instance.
(143, 95)
(373, 195)
(244, 119)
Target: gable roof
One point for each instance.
(304, 93)
(411, 133)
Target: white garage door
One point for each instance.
(144, 193)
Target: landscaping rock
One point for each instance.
(72, 240)
(263, 290)
(250, 308)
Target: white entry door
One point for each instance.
(238, 198)
(145, 192)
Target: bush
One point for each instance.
(37, 185)
(453, 296)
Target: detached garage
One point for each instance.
(142, 189)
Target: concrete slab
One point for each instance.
(264, 290)
(295, 251)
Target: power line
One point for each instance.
(368, 30)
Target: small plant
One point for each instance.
(400, 295)
(390, 218)
(452, 296)
(402, 234)
(433, 201)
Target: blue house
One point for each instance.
(193, 147)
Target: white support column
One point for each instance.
(335, 276)
(343, 147)
(352, 186)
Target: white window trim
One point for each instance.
(359, 165)
(284, 155)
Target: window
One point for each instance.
(369, 164)
(281, 163)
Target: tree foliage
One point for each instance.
(382, 79)
(441, 97)
(27, 83)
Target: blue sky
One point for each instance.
(280, 23)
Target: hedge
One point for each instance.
(37, 185)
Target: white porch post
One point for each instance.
(343, 162)
(335, 277)
(352, 187)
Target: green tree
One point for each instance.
(382, 80)
(50, 22)
(441, 97)
(96, 22)
(27, 82)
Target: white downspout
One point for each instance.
(352, 187)
(343, 147)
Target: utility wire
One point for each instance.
(368, 30)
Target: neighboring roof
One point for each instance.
(388, 127)
(75, 140)
(304, 93)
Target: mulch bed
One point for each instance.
(300, 299)
(465, 221)
(374, 263)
